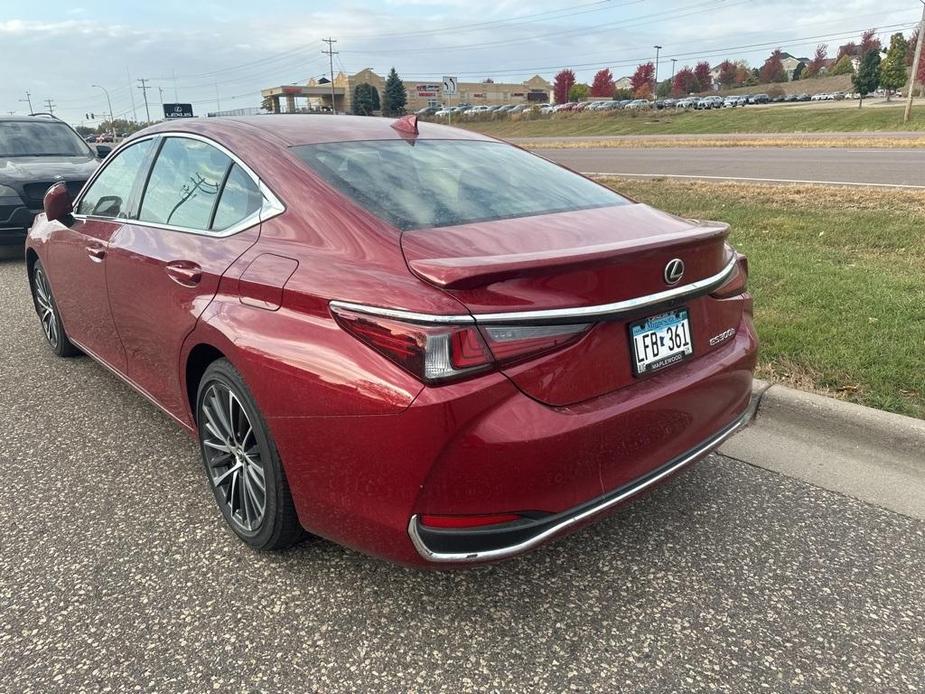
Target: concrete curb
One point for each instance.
(864, 425)
(871, 455)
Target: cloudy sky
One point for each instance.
(221, 53)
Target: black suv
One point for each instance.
(36, 152)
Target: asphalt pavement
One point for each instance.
(116, 574)
(890, 167)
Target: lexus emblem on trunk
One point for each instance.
(674, 271)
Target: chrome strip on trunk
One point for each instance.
(577, 314)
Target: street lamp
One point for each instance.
(112, 124)
(657, 49)
(673, 61)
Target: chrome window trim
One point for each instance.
(610, 502)
(271, 207)
(575, 314)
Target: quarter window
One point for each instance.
(184, 184)
(108, 195)
(239, 200)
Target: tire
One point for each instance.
(47, 310)
(239, 455)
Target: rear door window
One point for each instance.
(184, 184)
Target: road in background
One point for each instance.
(902, 167)
(116, 572)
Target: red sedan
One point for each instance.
(415, 341)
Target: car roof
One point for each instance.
(304, 129)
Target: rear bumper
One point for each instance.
(503, 541)
(483, 447)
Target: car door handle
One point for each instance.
(184, 273)
(96, 253)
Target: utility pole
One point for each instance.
(915, 66)
(51, 106)
(112, 124)
(160, 90)
(144, 90)
(657, 49)
(28, 100)
(330, 52)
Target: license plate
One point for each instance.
(661, 340)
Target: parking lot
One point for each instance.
(118, 574)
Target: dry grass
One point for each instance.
(790, 142)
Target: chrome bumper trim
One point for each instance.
(576, 314)
(609, 502)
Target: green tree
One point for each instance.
(578, 92)
(867, 78)
(663, 89)
(395, 97)
(798, 72)
(843, 66)
(365, 99)
(893, 69)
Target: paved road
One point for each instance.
(116, 572)
(834, 136)
(904, 167)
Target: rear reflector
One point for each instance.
(443, 353)
(468, 521)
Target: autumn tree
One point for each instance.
(843, 66)
(743, 74)
(869, 42)
(602, 85)
(685, 82)
(814, 67)
(773, 68)
(727, 74)
(643, 77)
(562, 83)
(704, 78)
(910, 47)
(893, 69)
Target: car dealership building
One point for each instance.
(317, 94)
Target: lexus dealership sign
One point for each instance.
(178, 111)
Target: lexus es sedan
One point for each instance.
(416, 341)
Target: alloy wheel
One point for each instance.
(46, 308)
(233, 459)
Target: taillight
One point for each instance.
(737, 282)
(442, 353)
(432, 353)
(512, 343)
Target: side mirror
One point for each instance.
(58, 203)
(102, 151)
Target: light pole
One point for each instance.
(657, 49)
(112, 125)
(673, 61)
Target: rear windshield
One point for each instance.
(40, 138)
(419, 184)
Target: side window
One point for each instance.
(184, 184)
(108, 195)
(240, 198)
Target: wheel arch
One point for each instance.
(197, 361)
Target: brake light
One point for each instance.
(431, 353)
(737, 282)
(443, 353)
